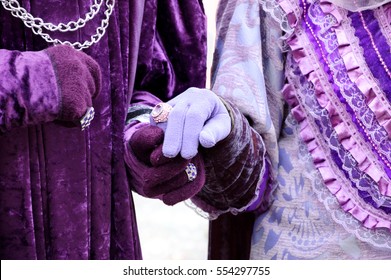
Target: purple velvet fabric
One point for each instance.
(64, 193)
(173, 47)
(233, 167)
(28, 89)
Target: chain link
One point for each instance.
(38, 25)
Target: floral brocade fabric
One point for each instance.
(332, 192)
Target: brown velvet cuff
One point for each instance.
(233, 167)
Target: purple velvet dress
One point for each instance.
(64, 193)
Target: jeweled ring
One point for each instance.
(85, 121)
(191, 171)
(160, 112)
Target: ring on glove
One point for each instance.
(160, 112)
(87, 118)
(191, 172)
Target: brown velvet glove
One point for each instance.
(79, 80)
(156, 176)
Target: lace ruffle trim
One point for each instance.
(342, 124)
(380, 237)
(286, 13)
(349, 201)
(333, 178)
(374, 109)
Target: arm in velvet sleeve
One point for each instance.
(28, 89)
(236, 170)
(240, 169)
(37, 87)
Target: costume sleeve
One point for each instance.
(240, 168)
(57, 83)
(28, 89)
(236, 169)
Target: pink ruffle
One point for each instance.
(346, 131)
(292, 11)
(337, 185)
(374, 97)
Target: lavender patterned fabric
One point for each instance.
(64, 193)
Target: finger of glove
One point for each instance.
(95, 72)
(161, 175)
(145, 140)
(176, 182)
(215, 130)
(157, 157)
(187, 189)
(174, 132)
(195, 119)
(90, 86)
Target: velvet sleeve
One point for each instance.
(28, 89)
(236, 170)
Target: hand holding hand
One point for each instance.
(156, 176)
(198, 116)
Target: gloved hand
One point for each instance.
(198, 117)
(58, 83)
(79, 80)
(156, 176)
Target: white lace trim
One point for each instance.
(273, 8)
(380, 238)
(384, 23)
(365, 115)
(215, 214)
(359, 5)
(316, 112)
